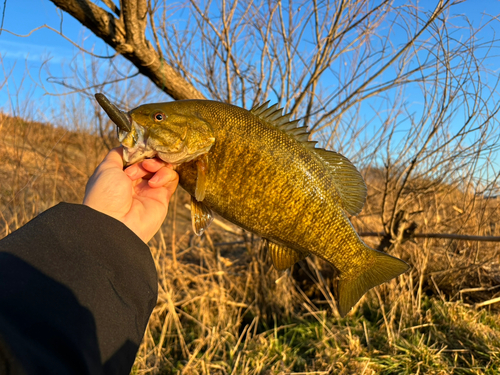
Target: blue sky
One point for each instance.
(28, 57)
(23, 16)
(23, 55)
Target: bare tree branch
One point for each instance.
(112, 6)
(126, 36)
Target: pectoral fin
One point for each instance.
(201, 179)
(201, 216)
(283, 257)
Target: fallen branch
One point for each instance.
(462, 237)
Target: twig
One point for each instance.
(62, 35)
(486, 303)
(3, 16)
(470, 290)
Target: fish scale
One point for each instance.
(258, 170)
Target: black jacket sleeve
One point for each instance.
(77, 288)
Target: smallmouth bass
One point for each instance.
(258, 170)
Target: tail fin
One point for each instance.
(385, 268)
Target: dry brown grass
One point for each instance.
(41, 166)
(223, 309)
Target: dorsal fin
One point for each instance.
(348, 181)
(274, 117)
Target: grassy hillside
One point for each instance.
(223, 309)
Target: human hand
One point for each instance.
(138, 196)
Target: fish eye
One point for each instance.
(159, 116)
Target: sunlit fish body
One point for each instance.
(258, 170)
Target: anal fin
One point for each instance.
(201, 216)
(283, 257)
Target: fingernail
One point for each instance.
(129, 172)
(154, 179)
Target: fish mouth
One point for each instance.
(137, 143)
(132, 156)
(145, 148)
(141, 148)
(125, 124)
(135, 155)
